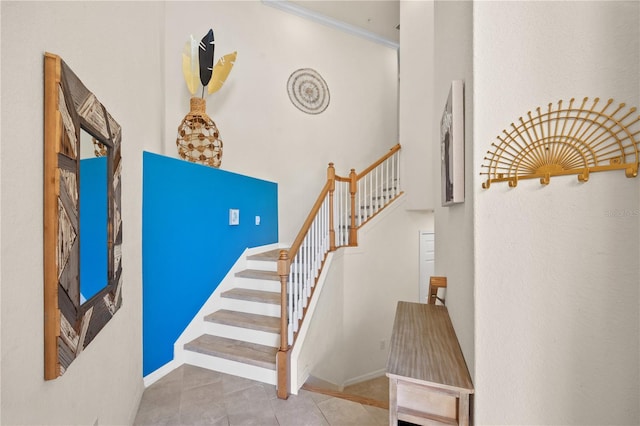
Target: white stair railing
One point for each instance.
(343, 206)
(377, 186)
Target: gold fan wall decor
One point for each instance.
(566, 140)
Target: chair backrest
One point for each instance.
(434, 284)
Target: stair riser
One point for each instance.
(257, 284)
(250, 307)
(244, 334)
(235, 368)
(262, 265)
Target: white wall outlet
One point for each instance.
(257, 220)
(234, 217)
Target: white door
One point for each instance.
(427, 262)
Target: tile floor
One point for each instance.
(195, 396)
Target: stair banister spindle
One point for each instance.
(345, 211)
(325, 225)
(327, 228)
(378, 187)
(398, 183)
(295, 278)
(345, 222)
(338, 214)
(380, 172)
(338, 217)
(309, 265)
(371, 191)
(307, 282)
(359, 204)
(316, 242)
(290, 307)
(304, 265)
(313, 248)
(316, 248)
(393, 174)
(382, 196)
(383, 182)
(301, 277)
(299, 288)
(387, 187)
(366, 198)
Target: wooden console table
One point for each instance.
(428, 378)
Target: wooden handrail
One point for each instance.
(317, 250)
(307, 223)
(392, 151)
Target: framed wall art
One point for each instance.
(452, 146)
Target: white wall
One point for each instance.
(381, 271)
(419, 151)
(129, 54)
(556, 297)
(436, 48)
(319, 354)
(116, 50)
(264, 135)
(357, 305)
(453, 60)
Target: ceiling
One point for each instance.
(381, 17)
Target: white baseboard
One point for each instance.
(364, 377)
(234, 368)
(158, 374)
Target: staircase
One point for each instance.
(243, 335)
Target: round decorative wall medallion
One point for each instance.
(308, 91)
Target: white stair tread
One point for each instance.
(258, 274)
(245, 320)
(269, 256)
(235, 350)
(253, 295)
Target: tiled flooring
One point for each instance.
(195, 396)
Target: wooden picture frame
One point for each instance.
(452, 146)
(71, 323)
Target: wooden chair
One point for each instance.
(434, 284)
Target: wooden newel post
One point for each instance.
(353, 187)
(282, 358)
(331, 177)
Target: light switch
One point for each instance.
(234, 216)
(257, 220)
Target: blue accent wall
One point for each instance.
(93, 226)
(188, 245)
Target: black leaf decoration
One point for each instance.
(207, 47)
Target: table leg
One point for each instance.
(463, 409)
(393, 401)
